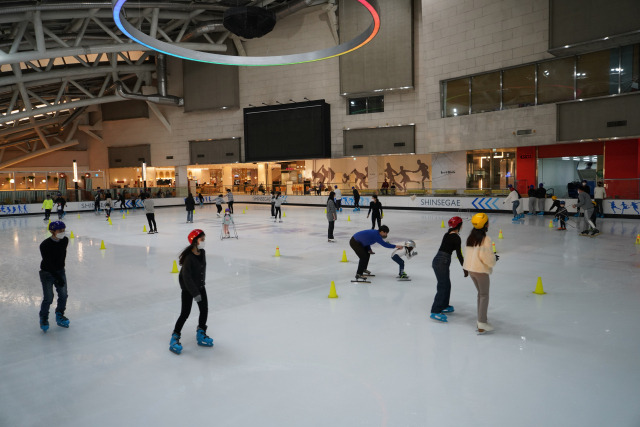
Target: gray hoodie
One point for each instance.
(149, 206)
(331, 211)
(584, 201)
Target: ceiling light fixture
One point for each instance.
(194, 55)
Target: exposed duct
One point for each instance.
(159, 98)
(205, 29)
(296, 6)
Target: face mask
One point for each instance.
(61, 235)
(200, 245)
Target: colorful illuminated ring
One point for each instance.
(212, 58)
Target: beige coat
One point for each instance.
(480, 259)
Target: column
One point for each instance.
(182, 181)
(227, 178)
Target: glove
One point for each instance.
(414, 253)
(497, 257)
(198, 298)
(466, 273)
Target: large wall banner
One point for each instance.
(449, 170)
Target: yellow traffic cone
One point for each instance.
(243, 211)
(284, 214)
(332, 291)
(638, 239)
(78, 216)
(246, 208)
(175, 267)
(71, 236)
(344, 256)
(277, 252)
(348, 218)
(539, 289)
(127, 211)
(110, 223)
(550, 224)
(500, 235)
(102, 246)
(144, 228)
(124, 217)
(325, 210)
(494, 247)
(442, 226)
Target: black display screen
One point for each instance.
(292, 131)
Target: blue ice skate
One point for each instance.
(44, 325)
(61, 320)
(174, 344)
(448, 310)
(540, 213)
(439, 317)
(577, 214)
(203, 339)
(516, 218)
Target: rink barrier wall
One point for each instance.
(612, 207)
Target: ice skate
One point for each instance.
(584, 233)
(360, 279)
(449, 309)
(439, 317)
(367, 273)
(483, 328)
(540, 213)
(61, 320)
(150, 232)
(280, 221)
(44, 325)
(174, 344)
(331, 240)
(403, 277)
(595, 232)
(203, 339)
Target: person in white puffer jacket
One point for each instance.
(514, 199)
(479, 261)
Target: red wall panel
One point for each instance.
(566, 150)
(622, 168)
(525, 168)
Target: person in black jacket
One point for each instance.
(376, 207)
(541, 195)
(61, 202)
(190, 204)
(533, 200)
(54, 254)
(192, 282)
(356, 199)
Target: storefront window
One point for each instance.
(597, 74)
(456, 94)
(490, 170)
(555, 80)
(485, 92)
(519, 87)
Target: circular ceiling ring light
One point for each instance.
(212, 58)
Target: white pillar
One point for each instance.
(182, 181)
(262, 174)
(227, 177)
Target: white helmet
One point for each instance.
(410, 244)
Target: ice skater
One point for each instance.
(47, 205)
(356, 199)
(190, 205)
(376, 207)
(277, 205)
(273, 203)
(96, 203)
(122, 201)
(406, 251)
(332, 215)
(192, 283)
(533, 201)
(562, 215)
(52, 274)
(61, 203)
(541, 193)
(599, 194)
(108, 203)
(585, 205)
(450, 242)
(338, 196)
(201, 199)
(479, 262)
(227, 220)
(514, 199)
(361, 244)
(230, 200)
(150, 211)
(219, 200)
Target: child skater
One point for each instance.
(479, 262)
(441, 262)
(226, 221)
(107, 205)
(192, 282)
(406, 251)
(277, 213)
(219, 201)
(562, 215)
(54, 254)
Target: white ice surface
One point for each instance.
(286, 355)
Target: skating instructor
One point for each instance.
(361, 244)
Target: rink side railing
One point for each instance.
(612, 207)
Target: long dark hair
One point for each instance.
(456, 228)
(332, 196)
(476, 236)
(189, 249)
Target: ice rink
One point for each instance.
(286, 355)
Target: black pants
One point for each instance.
(356, 201)
(338, 204)
(373, 221)
(230, 203)
(219, 207)
(151, 218)
(187, 302)
(331, 225)
(47, 213)
(440, 265)
(363, 255)
(273, 209)
(278, 210)
(599, 208)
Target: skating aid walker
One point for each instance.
(228, 221)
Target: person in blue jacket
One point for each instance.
(361, 244)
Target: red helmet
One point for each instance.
(194, 235)
(454, 222)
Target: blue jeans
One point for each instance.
(49, 280)
(189, 215)
(400, 262)
(440, 265)
(516, 203)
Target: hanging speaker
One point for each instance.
(249, 22)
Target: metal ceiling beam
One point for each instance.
(38, 153)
